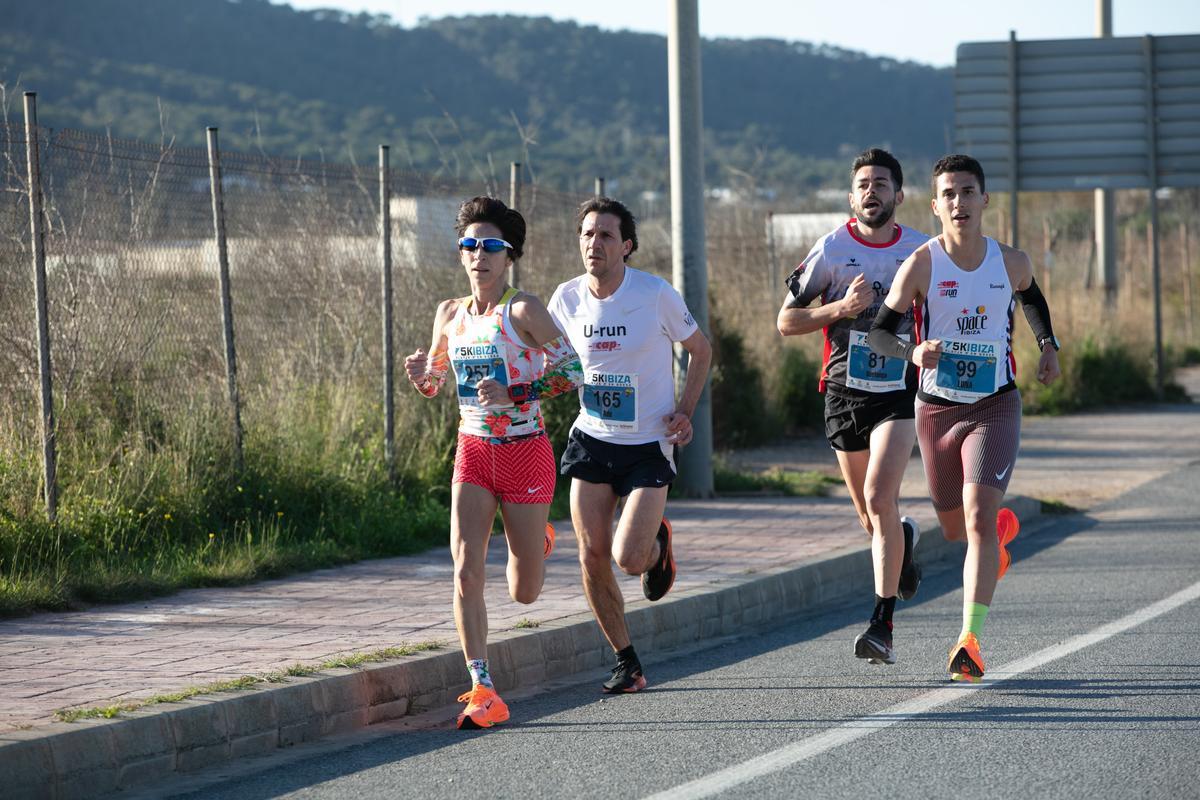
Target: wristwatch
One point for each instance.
(520, 393)
(1048, 340)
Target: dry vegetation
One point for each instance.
(150, 500)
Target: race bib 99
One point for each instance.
(967, 369)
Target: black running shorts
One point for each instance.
(625, 467)
(851, 416)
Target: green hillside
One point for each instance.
(571, 101)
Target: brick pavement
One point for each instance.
(113, 654)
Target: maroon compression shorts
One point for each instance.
(968, 443)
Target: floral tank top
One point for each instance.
(488, 346)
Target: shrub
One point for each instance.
(798, 404)
(741, 414)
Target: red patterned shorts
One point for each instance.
(518, 471)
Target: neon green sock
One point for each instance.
(974, 615)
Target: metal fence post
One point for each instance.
(1152, 169)
(1014, 113)
(1185, 257)
(218, 203)
(38, 233)
(514, 202)
(771, 266)
(385, 259)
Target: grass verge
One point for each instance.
(247, 682)
(777, 482)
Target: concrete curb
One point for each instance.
(90, 758)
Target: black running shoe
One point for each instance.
(910, 570)
(875, 644)
(657, 580)
(626, 678)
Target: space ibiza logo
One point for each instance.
(972, 324)
(947, 288)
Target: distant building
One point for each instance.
(801, 231)
(423, 230)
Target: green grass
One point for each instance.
(147, 508)
(1057, 507)
(247, 682)
(786, 483)
(150, 502)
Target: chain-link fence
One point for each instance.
(136, 316)
(135, 309)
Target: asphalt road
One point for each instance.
(1093, 690)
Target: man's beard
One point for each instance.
(878, 218)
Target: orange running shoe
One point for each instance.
(1007, 528)
(484, 708)
(966, 662)
(548, 548)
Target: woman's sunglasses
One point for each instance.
(489, 245)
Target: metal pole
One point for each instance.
(218, 204)
(599, 188)
(771, 265)
(514, 202)
(389, 360)
(1014, 114)
(1104, 204)
(1186, 262)
(1152, 169)
(38, 236)
(689, 268)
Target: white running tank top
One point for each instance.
(972, 313)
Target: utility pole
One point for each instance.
(689, 267)
(1105, 215)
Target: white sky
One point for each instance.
(907, 29)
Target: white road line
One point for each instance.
(847, 732)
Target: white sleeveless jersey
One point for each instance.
(826, 273)
(972, 313)
(625, 345)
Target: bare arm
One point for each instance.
(533, 322)
(679, 423)
(428, 373)
(911, 286)
(1018, 266)
(796, 320)
(563, 371)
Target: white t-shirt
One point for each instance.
(625, 345)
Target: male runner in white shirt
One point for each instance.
(623, 323)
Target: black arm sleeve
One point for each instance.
(883, 339)
(1036, 311)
